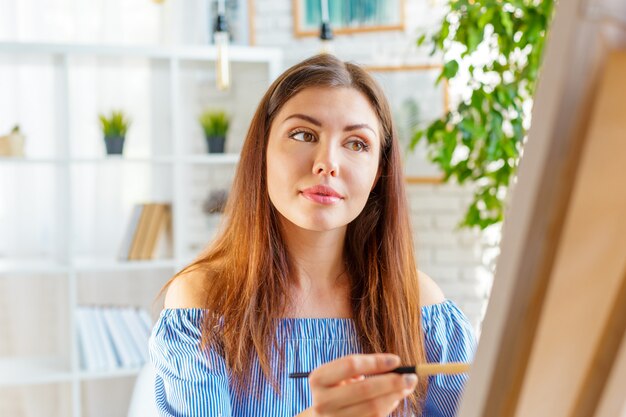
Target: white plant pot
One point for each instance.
(12, 145)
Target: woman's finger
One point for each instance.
(351, 366)
(352, 380)
(367, 390)
(378, 407)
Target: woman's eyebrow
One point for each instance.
(304, 117)
(319, 124)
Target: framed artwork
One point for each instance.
(415, 102)
(348, 16)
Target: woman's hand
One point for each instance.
(340, 389)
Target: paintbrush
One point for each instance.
(423, 369)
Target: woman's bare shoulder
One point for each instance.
(187, 290)
(430, 293)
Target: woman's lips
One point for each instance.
(322, 194)
(321, 199)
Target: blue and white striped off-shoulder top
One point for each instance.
(192, 384)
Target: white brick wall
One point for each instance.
(453, 257)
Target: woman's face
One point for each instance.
(323, 137)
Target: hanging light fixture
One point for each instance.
(220, 38)
(326, 31)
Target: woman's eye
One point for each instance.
(358, 146)
(303, 136)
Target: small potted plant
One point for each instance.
(114, 128)
(215, 125)
(13, 143)
(215, 202)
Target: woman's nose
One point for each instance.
(326, 161)
(325, 169)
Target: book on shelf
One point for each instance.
(127, 242)
(162, 246)
(155, 218)
(111, 357)
(145, 319)
(112, 337)
(92, 358)
(149, 233)
(137, 331)
(140, 233)
(122, 339)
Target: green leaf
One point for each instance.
(437, 125)
(463, 172)
(445, 31)
(507, 23)
(486, 18)
(450, 69)
(214, 123)
(116, 124)
(475, 37)
(417, 136)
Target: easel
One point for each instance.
(554, 338)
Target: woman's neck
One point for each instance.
(320, 282)
(316, 256)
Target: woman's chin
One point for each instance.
(319, 224)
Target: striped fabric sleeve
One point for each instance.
(189, 382)
(449, 337)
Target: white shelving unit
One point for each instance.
(170, 157)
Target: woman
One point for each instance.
(313, 269)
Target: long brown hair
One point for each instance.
(247, 266)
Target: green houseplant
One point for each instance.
(215, 125)
(114, 127)
(496, 45)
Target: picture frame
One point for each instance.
(414, 108)
(349, 16)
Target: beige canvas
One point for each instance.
(552, 340)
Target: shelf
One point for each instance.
(88, 197)
(112, 373)
(103, 265)
(28, 161)
(94, 160)
(209, 159)
(35, 370)
(237, 53)
(46, 370)
(31, 266)
(119, 159)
